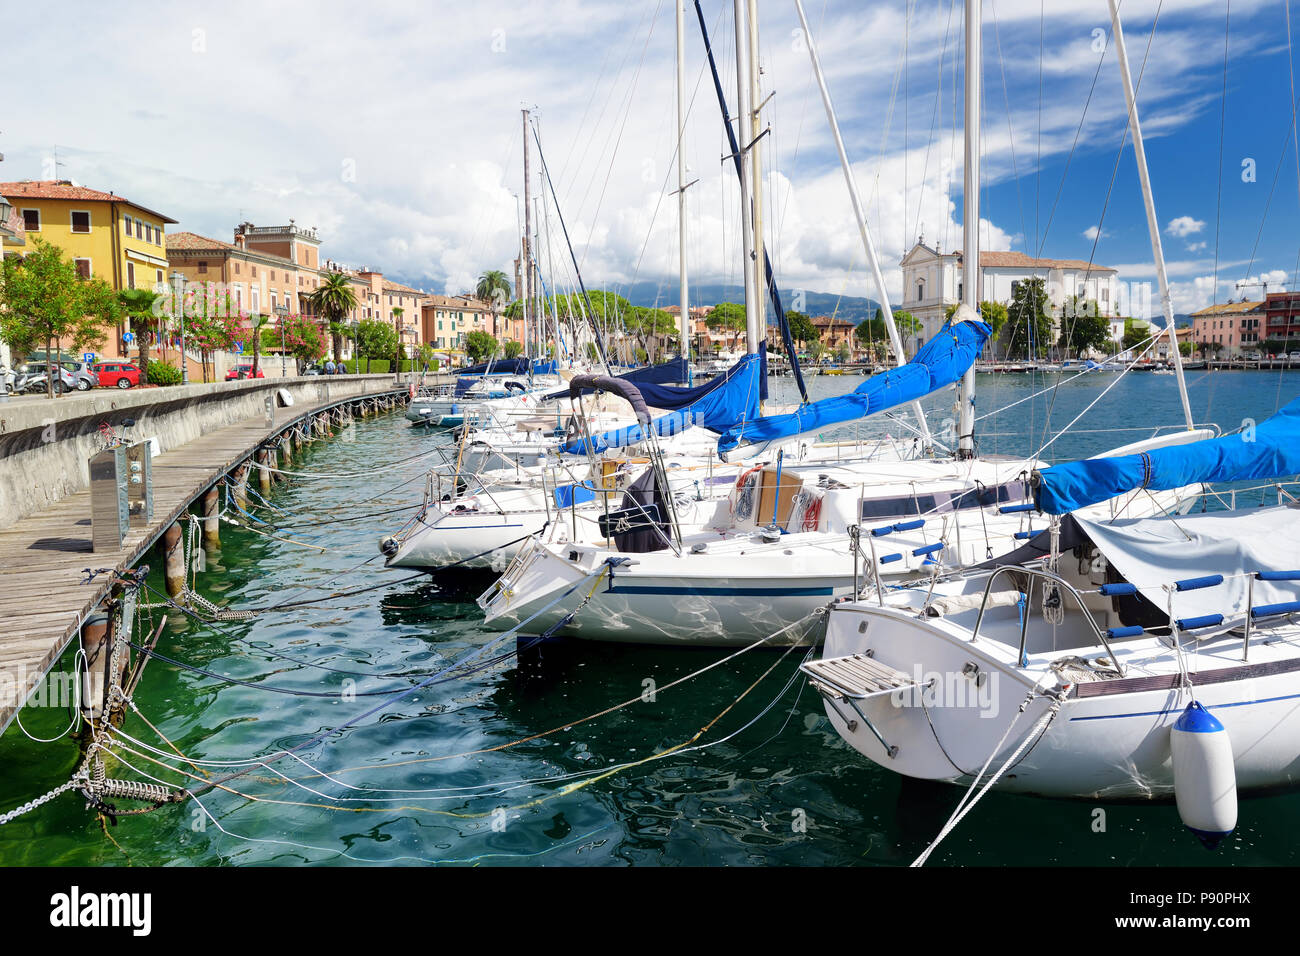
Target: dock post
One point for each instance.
(241, 485)
(273, 460)
(94, 639)
(263, 471)
(174, 552)
(212, 523)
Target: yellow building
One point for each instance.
(105, 235)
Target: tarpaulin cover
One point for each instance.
(727, 400)
(514, 366)
(1266, 451)
(941, 361)
(1151, 553)
(566, 496)
(674, 371)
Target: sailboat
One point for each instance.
(792, 536)
(1068, 665)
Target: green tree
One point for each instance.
(994, 315)
(802, 329)
(479, 345)
(140, 307)
(1185, 349)
(650, 326)
(303, 339)
(1030, 323)
(842, 352)
(212, 324)
(1083, 327)
(333, 300)
(398, 351)
(44, 300)
(375, 339)
(512, 349)
(872, 334)
(816, 350)
(1136, 334)
(425, 356)
(727, 317)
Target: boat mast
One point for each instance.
(759, 322)
(1153, 226)
(970, 220)
(743, 112)
(685, 299)
(526, 294)
(895, 341)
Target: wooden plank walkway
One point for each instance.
(42, 557)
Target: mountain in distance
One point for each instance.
(663, 294)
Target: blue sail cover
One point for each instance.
(514, 366)
(941, 361)
(718, 405)
(674, 371)
(1269, 450)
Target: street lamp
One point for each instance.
(178, 286)
(282, 311)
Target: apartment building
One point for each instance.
(105, 235)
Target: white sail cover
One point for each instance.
(1151, 553)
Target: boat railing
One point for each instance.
(1047, 578)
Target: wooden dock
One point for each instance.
(43, 556)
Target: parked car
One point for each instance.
(313, 369)
(244, 371)
(34, 376)
(1294, 357)
(119, 374)
(84, 375)
(1253, 356)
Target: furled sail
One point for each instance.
(717, 405)
(1265, 451)
(941, 361)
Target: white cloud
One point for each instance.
(1092, 233)
(1196, 246)
(1184, 226)
(423, 103)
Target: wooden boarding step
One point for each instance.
(858, 676)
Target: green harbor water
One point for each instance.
(737, 766)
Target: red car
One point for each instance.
(120, 374)
(244, 371)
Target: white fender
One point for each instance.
(1205, 777)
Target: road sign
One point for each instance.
(128, 337)
(88, 358)
(239, 347)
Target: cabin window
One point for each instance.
(83, 267)
(81, 222)
(32, 220)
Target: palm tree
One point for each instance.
(333, 299)
(138, 304)
(494, 289)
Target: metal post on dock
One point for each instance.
(211, 521)
(174, 563)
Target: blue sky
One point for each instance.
(395, 129)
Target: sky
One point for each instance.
(395, 129)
